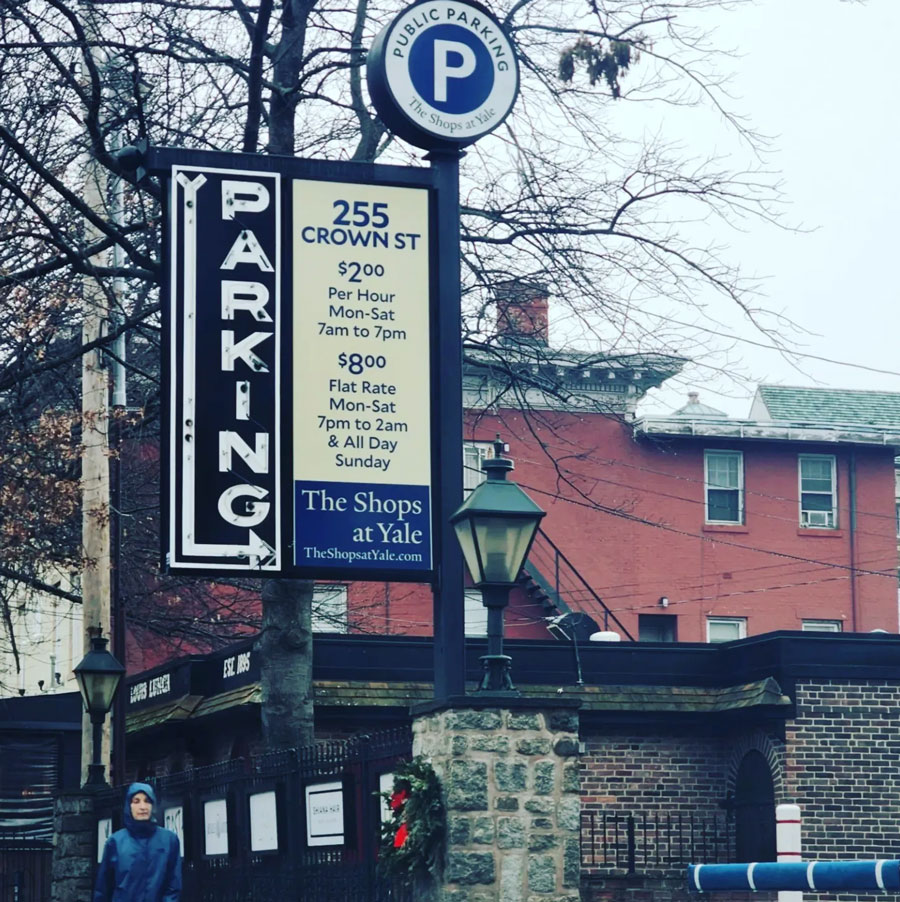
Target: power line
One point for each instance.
(673, 586)
(712, 538)
(686, 478)
(770, 347)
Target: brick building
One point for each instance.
(690, 527)
(685, 748)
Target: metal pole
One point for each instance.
(117, 765)
(95, 587)
(495, 630)
(119, 405)
(496, 665)
(96, 775)
(447, 435)
(98, 742)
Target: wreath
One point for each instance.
(412, 837)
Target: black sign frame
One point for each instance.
(160, 162)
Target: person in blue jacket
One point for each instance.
(142, 861)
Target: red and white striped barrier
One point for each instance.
(788, 845)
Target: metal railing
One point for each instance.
(25, 870)
(293, 868)
(565, 587)
(640, 842)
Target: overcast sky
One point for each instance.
(820, 77)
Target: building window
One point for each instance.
(329, 609)
(473, 454)
(822, 626)
(657, 628)
(725, 629)
(817, 494)
(724, 486)
(475, 614)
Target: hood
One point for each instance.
(139, 828)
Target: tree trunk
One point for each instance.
(285, 645)
(285, 652)
(287, 63)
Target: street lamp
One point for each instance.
(98, 675)
(495, 527)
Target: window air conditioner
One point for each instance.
(817, 518)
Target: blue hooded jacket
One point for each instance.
(141, 862)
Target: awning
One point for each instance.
(176, 710)
(378, 694)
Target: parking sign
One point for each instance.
(443, 74)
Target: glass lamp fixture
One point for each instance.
(98, 675)
(495, 527)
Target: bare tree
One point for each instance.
(556, 195)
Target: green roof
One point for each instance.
(829, 405)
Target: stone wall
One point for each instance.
(511, 783)
(75, 847)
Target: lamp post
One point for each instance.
(98, 675)
(495, 527)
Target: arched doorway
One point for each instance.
(754, 809)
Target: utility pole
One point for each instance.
(119, 409)
(95, 522)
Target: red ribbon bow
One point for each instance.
(398, 799)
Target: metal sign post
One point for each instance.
(443, 74)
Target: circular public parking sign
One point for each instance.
(443, 74)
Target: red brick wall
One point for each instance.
(838, 762)
(672, 782)
(641, 888)
(630, 516)
(665, 771)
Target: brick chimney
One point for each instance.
(522, 311)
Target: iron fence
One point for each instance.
(24, 870)
(642, 841)
(236, 852)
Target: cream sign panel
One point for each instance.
(361, 376)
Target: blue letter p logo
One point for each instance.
(451, 69)
(444, 67)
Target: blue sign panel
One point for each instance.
(452, 69)
(361, 525)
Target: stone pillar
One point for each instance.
(509, 771)
(75, 847)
